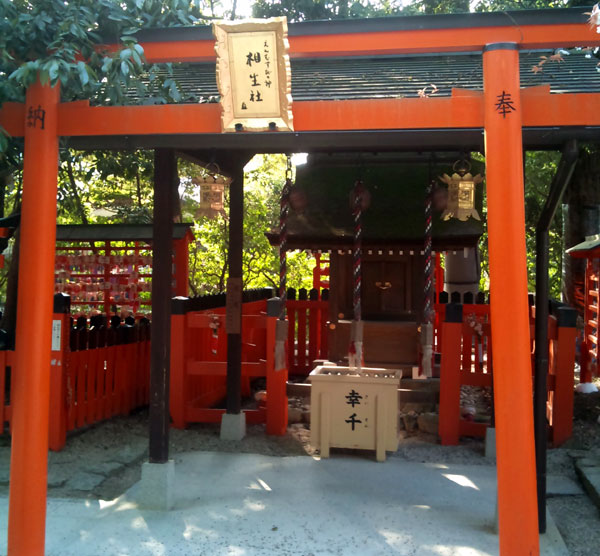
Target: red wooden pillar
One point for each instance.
(31, 389)
(182, 269)
(61, 331)
(562, 406)
(517, 499)
(277, 401)
(178, 390)
(449, 424)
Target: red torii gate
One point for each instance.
(171, 125)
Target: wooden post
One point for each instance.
(58, 378)
(314, 330)
(165, 178)
(562, 406)
(182, 269)
(233, 321)
(277, 401)
(449, 425)
(31, 387)
(517, 500)
(178, 388)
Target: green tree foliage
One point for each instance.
(63, 41)
(311, 10)
(263, 182)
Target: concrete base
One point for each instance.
(490, 443)
(412, 508)
(233, 427)
(156, 488)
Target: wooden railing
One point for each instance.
(466, 360)
(199, 359)
(307, 333)
(478, 305)
(97, 372)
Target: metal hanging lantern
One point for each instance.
(461, 192)
(212, 190)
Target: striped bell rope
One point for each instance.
(357, 248)
(428, 288)
(355, 351)
(284, 209)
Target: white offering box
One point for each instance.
(354, 410)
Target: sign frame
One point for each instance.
(281, 118)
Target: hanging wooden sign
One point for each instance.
(253, 75)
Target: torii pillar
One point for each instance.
(31, 379)
(517, 506)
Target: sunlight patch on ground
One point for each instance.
(436, 466)
(124, 506)
(156, 547)
(400, 541)
(191, 531)
(263, 484)
(461, 480)
(105, 504)
(217, 517)
(138, 523)
(235, 551)
(445, 550)
(254, 505)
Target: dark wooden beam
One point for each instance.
(234, 289)
(409, 140)
(165, 179)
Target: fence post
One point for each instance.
(562, 406)
(179, 356)
(277, 402)
(449, 424)
(59, 360)
(314, 333)
(324, 325)
(291, 318)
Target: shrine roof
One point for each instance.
(114, 232)
(590, 248)
(395, 216)
(349, 78)
(370, 66)
(546, 16)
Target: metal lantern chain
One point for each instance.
(284, 209)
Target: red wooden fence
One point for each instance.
(466, 349)
(307, 333)
(95, 374)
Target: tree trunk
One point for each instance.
(73, 184)
(9, 317)
(581, 220)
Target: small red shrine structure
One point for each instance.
(498, 107)
(590, 251)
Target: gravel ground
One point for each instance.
(103, 461)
